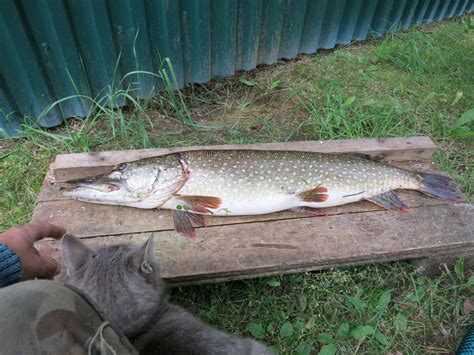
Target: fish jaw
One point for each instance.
(92, 195)
(117, 198)
(142, 184)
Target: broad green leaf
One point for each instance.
(428, 98)
(465, 118)
(299, 326)
(462, 133)
(296, 278)
(329, 349)
(343, 329)
(248, 82)
(459, 268)
(273, 281)
(275, 85)
(342, 54)
(401, 322)
(418, 295)
(286, 330)
(384, 300)
(470, 281)
(356, 302)
(310, 324)
(362, 331)
(256, 330)
(273, 349)
(468, 24)
(382, 339)
(325, 338)
(458, 97)
(303, 302)
(349, 101)
(304, 347)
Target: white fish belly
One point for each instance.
(341, 196)
(242, 207)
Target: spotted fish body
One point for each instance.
(259, 182)
(251, 182)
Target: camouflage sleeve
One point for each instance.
(10, 266)
(47, 317)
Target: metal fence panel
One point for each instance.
(67, 51)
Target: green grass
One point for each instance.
(411, 83)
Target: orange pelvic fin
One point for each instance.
(200, 204)
(318, 194)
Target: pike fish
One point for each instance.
(250, 182)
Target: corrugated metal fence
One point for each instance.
(53, 49)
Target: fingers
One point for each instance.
(48, 268)
(38, 231)
(36, 266)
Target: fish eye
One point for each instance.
(122, 167)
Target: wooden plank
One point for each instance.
(232, 252)
(81, 165)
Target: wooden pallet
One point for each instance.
(243, 247)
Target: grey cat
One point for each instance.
(125, 283)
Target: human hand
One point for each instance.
(21, 241)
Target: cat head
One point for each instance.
(123, 280)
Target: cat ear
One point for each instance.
(75, 252)
(145, 256)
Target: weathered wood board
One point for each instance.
(243, 247)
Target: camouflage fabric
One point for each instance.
(46, 317)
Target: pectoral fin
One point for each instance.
(318, 194)
(200, 204)
(390, 201)
(183, 223)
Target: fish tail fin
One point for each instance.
(440, 186)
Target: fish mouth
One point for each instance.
(100, 187)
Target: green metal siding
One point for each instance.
(53, 49)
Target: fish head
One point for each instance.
(125, 184)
